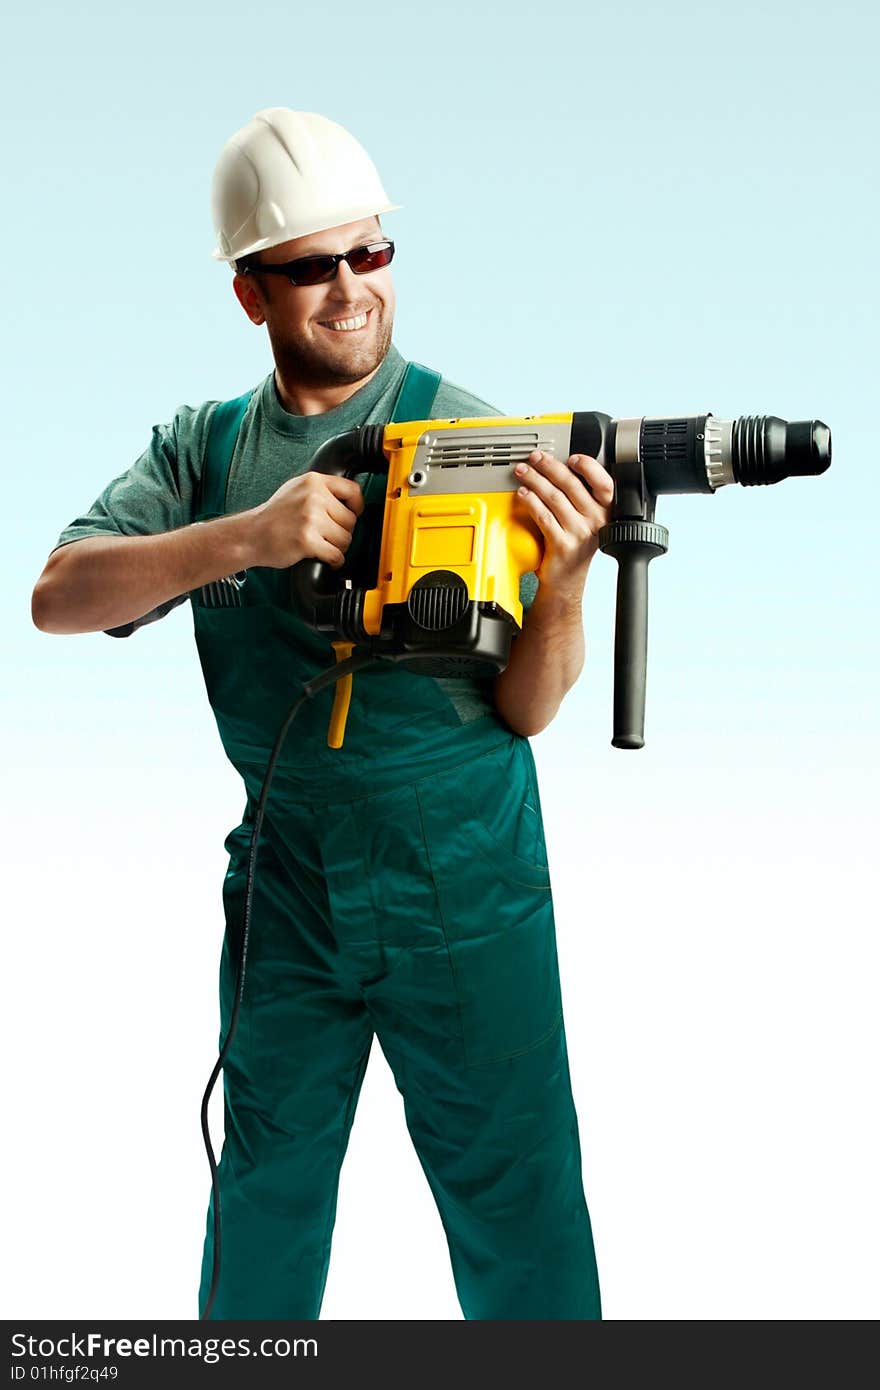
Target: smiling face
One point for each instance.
(298, 318)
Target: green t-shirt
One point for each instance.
(158, 492)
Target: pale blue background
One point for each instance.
(695, 188)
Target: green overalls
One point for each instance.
(401, 889)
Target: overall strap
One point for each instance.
(416, 395)
(414, 401)
(222, 434)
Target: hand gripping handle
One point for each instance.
(318, 592)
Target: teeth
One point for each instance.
(345, 325)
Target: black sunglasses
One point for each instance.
(317, 270)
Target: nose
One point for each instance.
(345, 276)
(345, 285)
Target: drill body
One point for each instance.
(436, 583)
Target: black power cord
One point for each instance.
(357, 662)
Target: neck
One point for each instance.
(302, 399)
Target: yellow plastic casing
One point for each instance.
(341, 698)
(488, 538)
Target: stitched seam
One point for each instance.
(517, 867)
(447, 767)
(377, 924)
(521, 1051)
(443, 929)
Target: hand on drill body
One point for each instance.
(314, 516)
(569, 515)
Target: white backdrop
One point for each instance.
(692, 189)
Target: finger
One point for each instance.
(595, 480)
(573, 524)
(562, 494)
(542, 514)
(578, 491)
(346, 489)
(596, 476)
(342, 513)
(597, 489)
(338, 535)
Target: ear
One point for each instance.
(247, 292)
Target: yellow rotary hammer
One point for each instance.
(431, 579)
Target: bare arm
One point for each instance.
(103, 582)
(545, 661)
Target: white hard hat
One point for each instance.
(286, 174)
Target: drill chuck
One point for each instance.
(652, 455)
(765, 449)
(700, 453)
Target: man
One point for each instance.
(402, 885)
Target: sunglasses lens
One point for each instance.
(315, 270)
(367, 258)
(312, 270)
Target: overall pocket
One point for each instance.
(485, 844)
(222, 593)
(255, 660)
(493, 800)
(240, 663)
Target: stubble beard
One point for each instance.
(309, 363)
